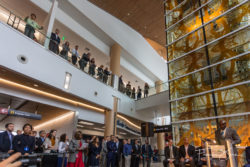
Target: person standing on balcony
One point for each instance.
(128, 89)
(84, 60)
(92, 67)
(120, 84)
(146, 88)
(106, 74)
(54, 42)
(75, 54)
(65, 50)
(31, 26)
(100, 73)
(138, 93)
(133, 93)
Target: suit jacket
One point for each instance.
(73, 146)
(175, 153)
(136, 152)
(149, 151)
(54, 38)
(39, 145)
(191, 151)
(231, 134)
(112, 149)
(20, 142)
(5, 142)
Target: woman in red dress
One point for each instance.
(76, 147)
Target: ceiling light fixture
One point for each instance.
(125, 119)
(35, 85)
(36, 91)
(67, 80)
(86, 123)
(64, 116)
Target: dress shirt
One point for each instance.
(10, 137)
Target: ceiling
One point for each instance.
(145, 16)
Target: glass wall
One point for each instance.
(209, 66)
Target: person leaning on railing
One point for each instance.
(65, 50)
(106, 74)
(31, 26)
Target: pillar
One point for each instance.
(160, 136)
(110, 119)
(49, 22)
(115, 54)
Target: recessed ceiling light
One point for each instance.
(35, 85)
(86, 123)
(128, 14)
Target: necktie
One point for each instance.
(10, 137)
(171, 153)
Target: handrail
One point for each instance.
(10, 14)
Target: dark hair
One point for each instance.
(33, 14)
(50, 133)
(78, 135)
(7, 125)
(63, 137)
(41, 131)
(24, 126)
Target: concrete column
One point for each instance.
(115, 54)
(49, 22)
(110, 119)
(160, 136)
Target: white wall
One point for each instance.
(126, 37)
(50, 69)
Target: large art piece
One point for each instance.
(209, 66)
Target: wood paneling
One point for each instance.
(145, 16)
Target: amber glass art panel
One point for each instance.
(192, 108)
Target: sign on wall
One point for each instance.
(11, 112)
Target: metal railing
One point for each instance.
(18, 23)
(144, 92)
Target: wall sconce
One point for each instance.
(67, 80)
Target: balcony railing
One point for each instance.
(18, 23)
(144, 93)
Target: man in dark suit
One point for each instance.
(136, 154)
(54, 42)
(171, 155)
(147, 153)
(24, 143)
(112, 149)
(224, 133)
(187, 154)
(118, 154)
(39, 142)
(6, 139)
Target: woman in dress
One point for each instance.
(76, 147)
(95, 150)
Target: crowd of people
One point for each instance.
(77, 152)
(110, 151)
(132, 92)
(102, 73)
